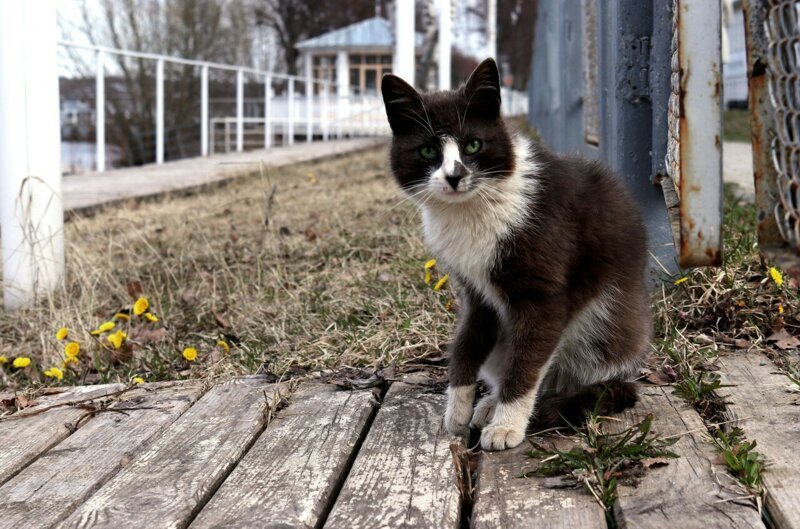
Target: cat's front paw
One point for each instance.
(484, 411)
(459, 409)
(501, 437)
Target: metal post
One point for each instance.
(160, 111)
(309, 97)
(239, 110)
(100, 112)
(290, 106)
(31, 209)
(204, 110)
(445, 36)
(404, 40)
(268, 112)
(491, 28)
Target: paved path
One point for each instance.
(86, 191)
(737, 167)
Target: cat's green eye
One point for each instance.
(473, 146)
(427, 152)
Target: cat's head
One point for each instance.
(447, 145)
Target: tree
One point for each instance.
(212, 30)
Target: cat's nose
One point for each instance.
(453, 181)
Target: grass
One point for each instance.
(313, 266)
(736, 125)
(603, 458)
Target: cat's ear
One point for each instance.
(483, 91)
(402, 101)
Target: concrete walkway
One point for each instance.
(82, 192)
(737, 167)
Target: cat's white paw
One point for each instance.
(484, 411)
(501, 437)
(459, 409)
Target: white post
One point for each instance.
(268, 112)
(445, 43)
(31, 209)
(309, 96)
(204, 110)
(326, 118)
(342, 89)
(290, 107)
(100, 111)
(239, 110)
(160, 111)
(404, 57)
(491, 29)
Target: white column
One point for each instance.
(342, 89)
(160, 111)
(404, 59)
(309, 75)
(445, 43)
(204, 110)
(100, 111)
(268, 112)
(239, 110)
(491, 29)
(290, 107)
(31, 209)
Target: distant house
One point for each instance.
(734, 55)
(352, 58)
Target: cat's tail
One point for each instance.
(559, 409)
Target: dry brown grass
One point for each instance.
(327, 272)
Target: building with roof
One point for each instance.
(353, 58)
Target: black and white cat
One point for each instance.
(549, 252)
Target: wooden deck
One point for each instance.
(248, 453)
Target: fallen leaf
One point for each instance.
(311, 234)
(135, 289)
(221, 321)
(650, 462)
(670, 372)
(148, 335)
(658, 378)
(783, 340)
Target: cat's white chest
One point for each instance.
(467, 243)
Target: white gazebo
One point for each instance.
(353, 58)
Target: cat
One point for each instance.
(549, 252)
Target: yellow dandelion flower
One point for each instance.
(137, 380)
(117, 339)
(21, 361)
(62, 333)
(681, 280)
(122, 316)
(69, 360)
(54, 372)
(72, 349)
(780, 308)
(107, 326)
(222, 344)
(428, 277)
(141, 306)
(190, 354)
(776, 276)
(3, 359)
(151, 317)
(439, 284)
(430, 264)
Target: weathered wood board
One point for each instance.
(689, 492)
(169, 482)
(503, 498)
(24, 436)
(60, 479)
(768, 408)
(292, 473)
(403, 475)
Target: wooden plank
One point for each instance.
(171, 480)
(768, 412)
(503, 498)
(690, 492)
(22, 440)
(292, 473)
(403, 475)
(58, 481)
